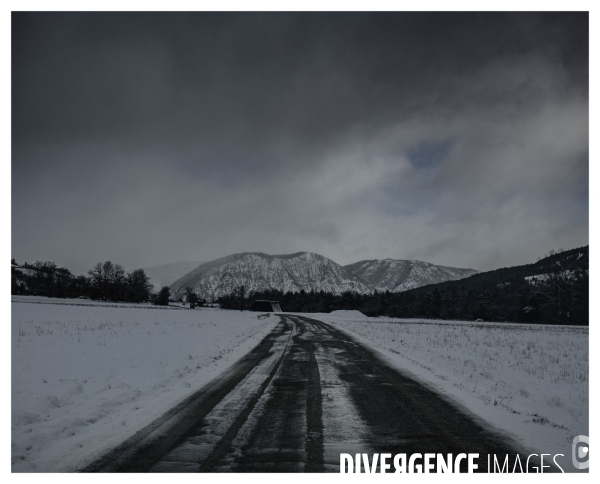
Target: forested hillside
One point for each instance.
(554, 290)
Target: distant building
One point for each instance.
(266, 306)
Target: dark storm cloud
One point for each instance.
(459, 138)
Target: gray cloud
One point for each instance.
(456, 138)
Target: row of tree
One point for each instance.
(45, 278)
(105, 281)
(561, 297)
(110, 282)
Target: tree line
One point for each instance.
(560, 299)
(104, 282)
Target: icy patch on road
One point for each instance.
(344, 432)
(85, 378)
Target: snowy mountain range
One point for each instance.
(401, 275)
(308, 271)
(258, 271)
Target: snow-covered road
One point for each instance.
(313, 395)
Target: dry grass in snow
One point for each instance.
(530, 381)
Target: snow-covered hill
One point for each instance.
(167, 274)
(305, 270)
(258, 271)
(401, 275)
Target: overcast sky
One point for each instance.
(454, 138)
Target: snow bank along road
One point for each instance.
(306, 394)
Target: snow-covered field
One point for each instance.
(86, 376)
(90, 302)
(529, 381)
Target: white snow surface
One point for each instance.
(530, 382)
(348, 313)
(86, 377)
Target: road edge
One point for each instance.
(138, 452)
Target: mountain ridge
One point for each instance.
(308, 271)
(398, 275)
(258, 271)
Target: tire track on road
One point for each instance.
(225, 443)
(143, 449)
(314, 417)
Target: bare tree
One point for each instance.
(138, 285)
(240, 295)
(191, 297)
(163, 297)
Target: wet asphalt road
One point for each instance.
(313, 395)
